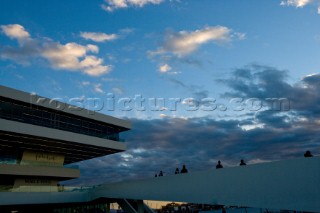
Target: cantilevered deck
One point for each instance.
(286, 185)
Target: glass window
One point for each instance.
(36, 115)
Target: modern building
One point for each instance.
(40, 137)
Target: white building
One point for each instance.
(39, 137)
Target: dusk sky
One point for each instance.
(200, 80)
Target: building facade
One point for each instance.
(40, 137)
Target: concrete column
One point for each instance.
(126, 206)
(140, 206)
(108, 208)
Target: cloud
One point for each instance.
(15, 31)
(70, 56)
(184, 43)
(312, 80)
(98, 89)
(165, 68)
(263, 82)
(197, 92)
(111, 5)
(28, 47)
(180, 46)
(117, 90)
(239, 36)
(296, 3)
(98, 37)
(85, 83)
(301, 3)
(126, 31)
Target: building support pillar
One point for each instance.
(126, 206)
(108, 208)
(140, 206)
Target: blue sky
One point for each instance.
(206, 54)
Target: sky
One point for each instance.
(200, 81)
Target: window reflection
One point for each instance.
(36, 115)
